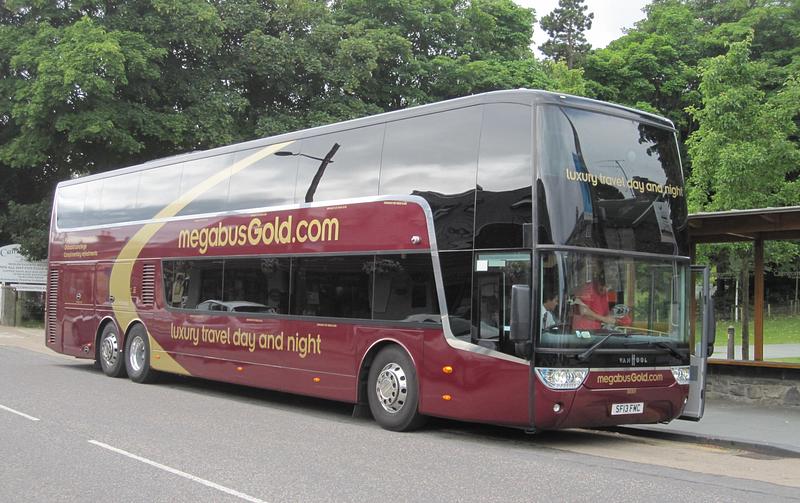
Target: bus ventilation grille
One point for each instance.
(52, 306)
(148, 285)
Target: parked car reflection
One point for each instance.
(234, 306)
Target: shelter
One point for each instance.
(756, 226)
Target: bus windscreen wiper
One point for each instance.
(661, 344)
(586, 354)
(674, 352)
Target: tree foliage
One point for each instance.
(744, 151)
(566, 26)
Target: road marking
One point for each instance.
(9, 409)
(174, 471)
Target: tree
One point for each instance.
(745, 152)
(654, 66)
(566, 26)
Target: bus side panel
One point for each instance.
(310, 358)
(77, 299)
(480, 388)
(291, 380)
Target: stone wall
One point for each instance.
(754, 384)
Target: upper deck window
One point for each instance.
(354, 157)
(505, 175)
(435, 156)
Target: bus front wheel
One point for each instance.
(137, 356)
(110, 352)
(393, 390)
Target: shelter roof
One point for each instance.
(745, 225)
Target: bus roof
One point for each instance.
(522, 96)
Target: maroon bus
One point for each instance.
(516, 257)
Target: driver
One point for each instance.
(592, 302)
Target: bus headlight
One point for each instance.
(562, 378)
(681, 375)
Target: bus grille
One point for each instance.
(148, 285)
(52, 306)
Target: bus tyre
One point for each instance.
(393, 390)
(137, 356)
(109, 352)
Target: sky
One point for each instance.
(610, 17)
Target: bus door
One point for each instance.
(495, 275)
(703, 329)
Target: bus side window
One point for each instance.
(335, 287)
(405, 289)
(258, 284)
(188, 283)
(457, 276)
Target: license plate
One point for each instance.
(619, 409)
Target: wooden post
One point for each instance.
(692, 299)
(758, 293)
(731, 337)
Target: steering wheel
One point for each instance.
(620, 310)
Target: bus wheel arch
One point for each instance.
(392, 387)
(137, 354)
(109, 349)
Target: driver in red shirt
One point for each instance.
(592, 301)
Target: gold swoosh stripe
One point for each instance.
(120, 281)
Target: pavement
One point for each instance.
(774, 431)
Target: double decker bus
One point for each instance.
(515, 257)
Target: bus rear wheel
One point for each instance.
(393, 390)
(110, 353)
(137, 356)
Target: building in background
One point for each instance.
(22, 286)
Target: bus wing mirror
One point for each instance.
(520, 313)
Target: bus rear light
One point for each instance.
(316, 379)
(447, 369)
(556, 408)
(562, 378)
(681, 375)
(447, 398)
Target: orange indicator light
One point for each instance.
(239, 369)
(316, 379)
(447, 369)
(157, 357)
(447, 398)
